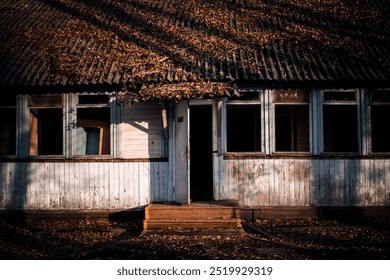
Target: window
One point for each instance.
(8, 126)
(93, 125)
(243, 118)
(291, 120)
(340, 121)
(380, 114)
(46, 125)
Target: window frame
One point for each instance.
(273, 123)
(238, 102)
(357, 103)
(371, 103)
(26, 113)
(73, 124)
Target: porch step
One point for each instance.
(199, 217)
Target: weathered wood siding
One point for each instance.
(82, 185)
(306, 182)
(141, 131)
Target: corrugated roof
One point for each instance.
(153, 42)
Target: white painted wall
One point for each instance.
(141, 131)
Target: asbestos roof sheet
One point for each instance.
(92, 42)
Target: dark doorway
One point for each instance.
(201, 153)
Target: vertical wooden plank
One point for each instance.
(11, 174)
(83, 187)
(299, 190)
(241, 180)
(97, 184)
(127, 198)
(16, 187)
(7, 184)
(359, 167)
(249, 185)
(137, 184)
(338, 182)
(155, 191)
(332, 198)
(50, 184)
(141, 183)
(367, 186)
(283, 182)
(72, 194)
(387, 180)
(245, 190)
(162, 181)
(88, 184)
(111, 185)
(107, 185)
(346, 182)
(363, 189)
(63, 186)
(94, 179)
(132, 188)
(29, 197)
(123, 184)
(374, 184)
(106, 188)
(291, 182)
(79, 191)
(262, 182)
(313, 183)
(353, 181)
(321, 183)
(274, 182)
(55, 198)
(225, 180)
(146, 182)
(23, 185)
(381, 193)
(306, 186)
(2, 185)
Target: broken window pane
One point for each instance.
(46, 132)
(93, 131)
(243, 128)
(292, 128)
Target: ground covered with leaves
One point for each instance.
(122, 238)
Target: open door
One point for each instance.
(182, 153)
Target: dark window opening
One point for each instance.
(380, 96)
(292, 128)
(46, 127)
(8, 131)
(340, 128)
(243, 128)
(380, 137)
(93, 99)
(8, 100)
(93, 131)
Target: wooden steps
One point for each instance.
(201, 218)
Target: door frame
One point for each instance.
(178, 155)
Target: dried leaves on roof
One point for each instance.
(182, 42)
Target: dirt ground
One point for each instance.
(121, 238)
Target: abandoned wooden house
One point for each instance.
(273, 104)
